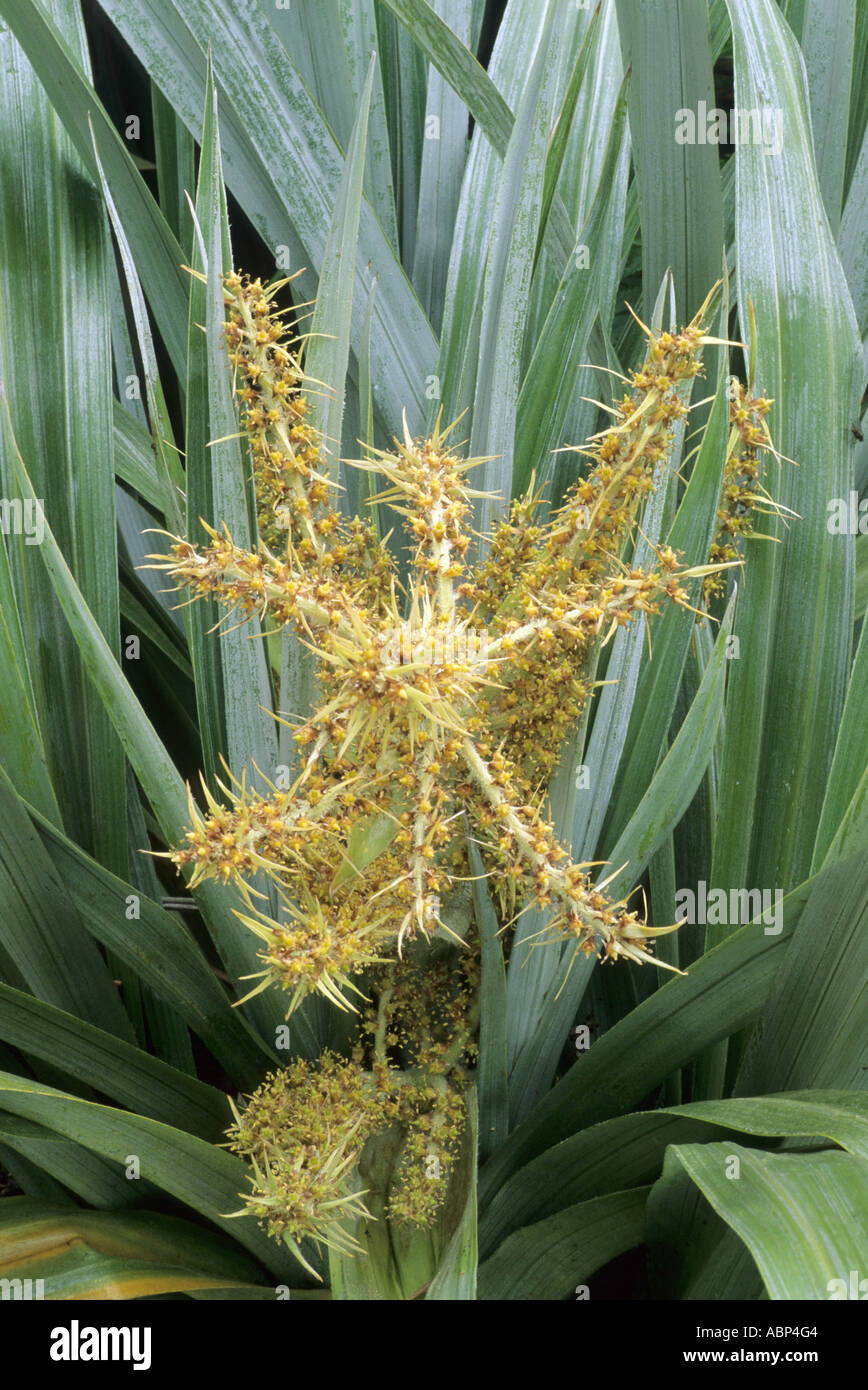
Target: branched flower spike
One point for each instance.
(441, 705)
(302, 1131)
(290, 466)
(427, 489)
(742, 494)
(455, 699)
(550, 593)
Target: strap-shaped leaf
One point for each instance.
(803, 1217)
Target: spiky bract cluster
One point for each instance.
(446, 701)
(441, 707)
(304, 1131)
(742, 493)
(565, 576)
(291, 463)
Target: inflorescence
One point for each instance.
(442, 706)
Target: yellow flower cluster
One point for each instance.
(742, 490)
(441, 707)
(304, 1129)
(435, 705)
(570, 565)
(290, 467)
(419, 1039)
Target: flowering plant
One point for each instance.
(442, 707)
